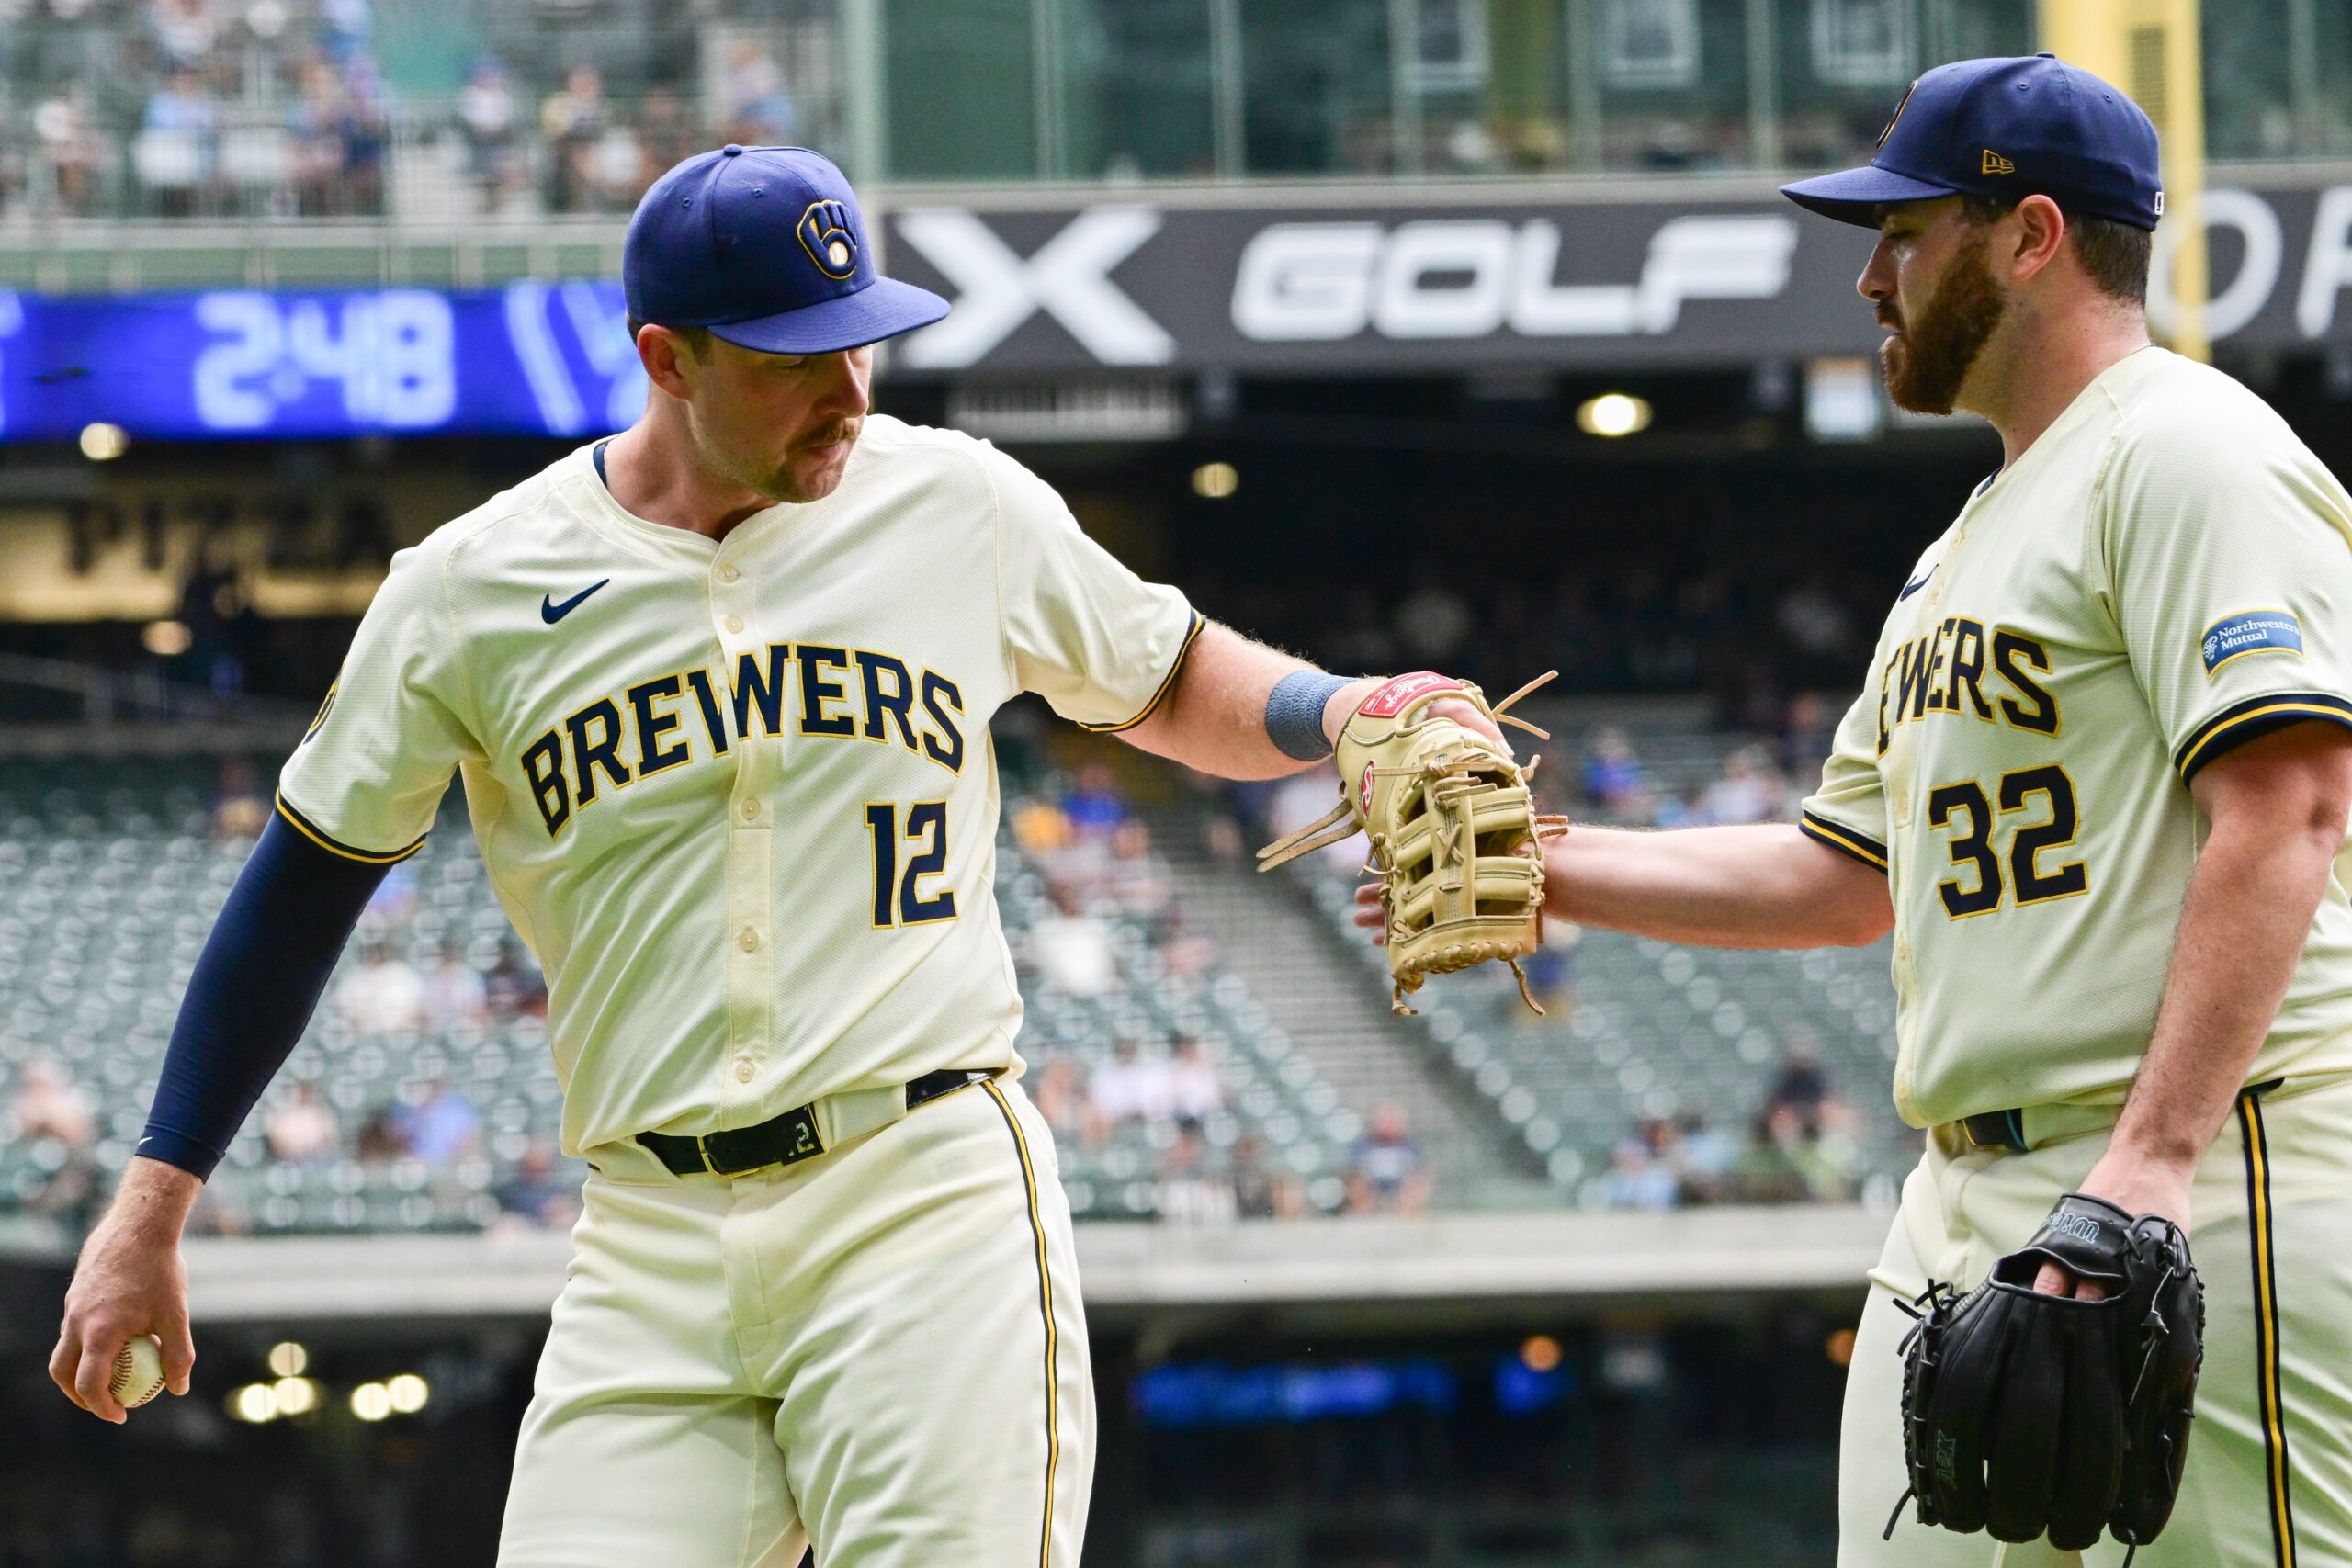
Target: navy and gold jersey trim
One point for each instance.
(312, 832)
(2241, 722)
(1046, 1308)
(2262, 1232)
(1844, 840)
(1174, 668)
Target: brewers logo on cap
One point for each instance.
(825, 234)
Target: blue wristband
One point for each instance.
(1295, 714)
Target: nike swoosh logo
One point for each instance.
(1908, 589)
(550, 611)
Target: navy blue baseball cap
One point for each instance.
(2005, 128)
(764, 246)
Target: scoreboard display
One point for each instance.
(531, 359)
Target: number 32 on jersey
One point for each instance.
(2032, 812)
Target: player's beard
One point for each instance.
(1929, 358)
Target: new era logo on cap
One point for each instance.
(2004, 130)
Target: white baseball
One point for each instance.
(138, 1372)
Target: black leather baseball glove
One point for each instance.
(2026, 1413)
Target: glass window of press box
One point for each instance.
(454, 109)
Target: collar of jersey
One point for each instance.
(2099, 390)
(679, 546)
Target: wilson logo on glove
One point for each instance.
(1455, 839)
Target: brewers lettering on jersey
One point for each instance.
(718, 691)
(2096, 785)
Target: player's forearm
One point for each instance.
(2243, 925)
(1749, 886)
(1213, 718)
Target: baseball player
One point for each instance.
(2096, 783)
(719, 688)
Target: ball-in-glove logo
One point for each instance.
(825, 234)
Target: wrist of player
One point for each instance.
(1342, 704)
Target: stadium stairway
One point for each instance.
(1336, 1011)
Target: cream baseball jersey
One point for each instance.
(738, 796)
(2165, 573)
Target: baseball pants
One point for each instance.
(878, 1351)
(2268, 1482)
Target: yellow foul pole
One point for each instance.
(2150, 49)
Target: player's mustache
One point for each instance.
(838, 430)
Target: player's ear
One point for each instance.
(2040, 235)
(663, 353)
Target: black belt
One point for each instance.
(2006, 1129)
(780, 1140)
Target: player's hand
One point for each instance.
(1347, 698)
(1369, 914)
(131, 1281)
(2137, 1187)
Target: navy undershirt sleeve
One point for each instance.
(259, 977)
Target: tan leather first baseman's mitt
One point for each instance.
(1456, 840)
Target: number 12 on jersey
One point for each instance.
(897, 882)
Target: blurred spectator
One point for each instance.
(1195, 1093)
(382, 1136)
(1801, 1085)
(1130, 1087)
(440, 1127)
(56, 1118)
(50, 1104)
(1073, 951)
(1187, 1193)
(70, 153)
(1093, 806)
(574, 121)
(758, 111)
(1187, 951)
(1613, 777)
(185, 30)
(239, 809)
(1041, 827)
(1260, 1192)
(1133, 876)
(667, 136)
(1750, 791)
(535, 1193)
(1642, 1170)
(313, 122)
(1706, 1158)
(486, 112)
(176, 153)
(362, 137)
(382, 996)
(454, 993)
(1385, 1171)
(300, 1129)
(509, 990)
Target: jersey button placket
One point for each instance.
(750, 988)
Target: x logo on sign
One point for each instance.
(1069, 278)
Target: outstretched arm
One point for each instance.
(1762, 886)
(252, 993)
(1215, 717)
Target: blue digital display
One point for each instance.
(532, 358)
(1211, 1394)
